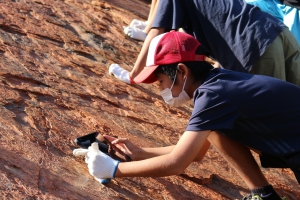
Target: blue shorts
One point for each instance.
(291, 161)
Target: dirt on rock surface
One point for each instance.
(55, 87)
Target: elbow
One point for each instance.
(175, 170)
(177, 167)
(179, 171)
(197, 159)
(202, 152)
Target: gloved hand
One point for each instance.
(138, 24)
(120, 73)
(135, 33)
(100, 165)
(83, 152)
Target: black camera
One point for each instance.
(87, 140)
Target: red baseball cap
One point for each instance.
(168, 48)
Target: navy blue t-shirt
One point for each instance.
(258, 111)
(231, 31)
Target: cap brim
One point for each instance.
(146, 76)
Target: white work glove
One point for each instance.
(100, 165)
(138, 24)
(120, 73)
(83, 152)
(135, 33)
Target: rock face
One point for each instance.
(55, 87)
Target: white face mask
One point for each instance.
(175, 101)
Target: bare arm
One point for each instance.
(142, 57)
(153, 4)
(213, 62)
(136, 153)
(145, 153)
(172, 163)
(151, 16)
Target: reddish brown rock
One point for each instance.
(55, 87)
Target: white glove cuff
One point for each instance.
(103, 181)
(109, 168)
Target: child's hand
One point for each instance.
(124, 146)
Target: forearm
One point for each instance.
(142, 57)
(172, 163)
(151, 16)
(146, 153)
(153, 4)
(153, 167)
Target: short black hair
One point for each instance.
(199, 69)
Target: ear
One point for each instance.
(182, 70)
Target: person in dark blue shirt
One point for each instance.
(239, 36)
(235, 112)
